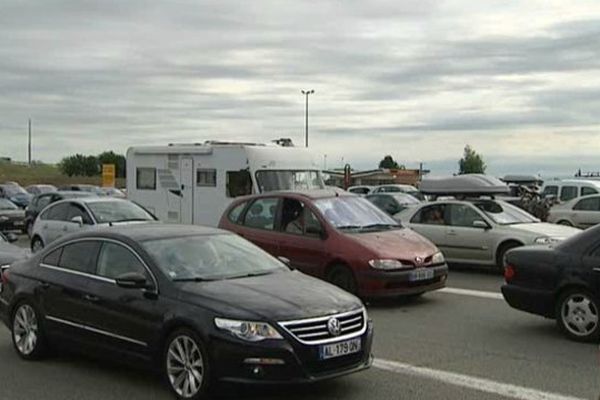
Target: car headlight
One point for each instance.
(248, 330)
(546, 240)
(438, 258)
(387, 264)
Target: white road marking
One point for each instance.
(471, 382)
(473, 293)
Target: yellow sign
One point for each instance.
(108, 175)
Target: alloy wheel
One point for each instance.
(185, 366)
(579, 315)
(25, 330)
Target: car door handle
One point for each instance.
(91, 297)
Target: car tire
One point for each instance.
(185, 362)
(564, 222)
(37, 244)
(577, 315)
(27, 332)
(342, 277)
(501, 254)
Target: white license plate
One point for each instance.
(339, 349)
(421, 275)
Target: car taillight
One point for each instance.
(509, 273)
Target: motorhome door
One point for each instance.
(187, 191)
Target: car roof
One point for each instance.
(573, 181)
(307, 194)
(91, 199)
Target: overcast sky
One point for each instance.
(518, 80)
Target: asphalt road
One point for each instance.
(446, 345)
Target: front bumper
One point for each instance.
(534, 301)
(301, 363)
(12, 225)
(375, 284)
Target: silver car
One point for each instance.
(582, 212)
(68, 216)
(479, 231)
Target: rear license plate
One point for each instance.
(339, 349)
(421, 275)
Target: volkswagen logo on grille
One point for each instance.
(333, 326)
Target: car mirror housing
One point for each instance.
(132, 280)
(480, 224)
(77, 220)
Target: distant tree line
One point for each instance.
(82, 165)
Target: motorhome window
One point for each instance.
(568, 193)
(206, 177)
(271, 180)
(588, 190)
(146, 178)
(239, 183)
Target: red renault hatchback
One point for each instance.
(342, 238)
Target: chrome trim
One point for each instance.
(94, 330)
(79, 273)
(284, 324)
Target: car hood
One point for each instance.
(10, 253)
(276, 297)
(12, 214)
(404, 244)
(546, 229)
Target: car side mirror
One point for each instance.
(132, 280)
(286, 261)
(480, 224)
(11, 237)
(77, 220)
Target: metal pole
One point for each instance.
(29, 144)
(306, 122)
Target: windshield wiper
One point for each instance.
(130, 220)
(249, 275)
(194, 279)
(389, 226)
(349, 227)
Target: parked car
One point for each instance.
(342, 238)
(72, 215)
(479, 230)
(393, 203)
(9, 252)
(113, 192)
(12, 218)
(83, 188)
(198, 304)
(568, 189)
(360, 189)
(560, 282)
(581, 212)
(39, 202)
(16, 194)
(40, 189)
(397, 188)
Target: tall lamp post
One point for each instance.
(306, 93)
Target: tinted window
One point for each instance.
(80, 256)
(206, 177)
(292, 216)
(568, 192)
(53, 258)
(261, 214)
(58, 212)
(588, 204)
(43, 201)
(115, 260)
(588, 190)
(239, 183)
(463, 215)
(312, 225)
(430, 215)
(76, 210)
(234, 214)
(386, 203)
(146, 178)
(359, 190)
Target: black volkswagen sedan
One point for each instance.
(561, 282)
(200, 304)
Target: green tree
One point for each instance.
(110, 157)
(471, 163)
(79, 165)
(389, 163)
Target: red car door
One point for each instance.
(258, 224)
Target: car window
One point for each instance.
(312, 225)
(42, 202)
(58, 212)
(236, 212)
(585, 190)
(550, 191)
(592, 204)
(261, 214)
(7, 205)
(386, 203)
(430, 215)
(76, 210)
(115, 260)
(80, 256)
(463, 215)
(53, 257)
(568, 192)
(292, 216)
(238, 183)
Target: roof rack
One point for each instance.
(466, 185)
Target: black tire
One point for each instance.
(21, 336)
(501, 254)
(342, 277)
(34, 242)
(573, 308)
(171, 365)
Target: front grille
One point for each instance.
(316, 330)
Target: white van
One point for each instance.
(194, 183)
(568, 189)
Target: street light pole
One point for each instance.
(306, 93)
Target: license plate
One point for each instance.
(339, 349)
(18, 223)
(421, 275)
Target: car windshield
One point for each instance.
(118, 211)
(271, 180)
(211, 257)
(7, 205)
(405, 198)
(13, 190)
(349, 212)
(504, 213)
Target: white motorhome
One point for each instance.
(194, 183)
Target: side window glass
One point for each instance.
(292, 213)
(431, 215)
(239, 183)
(80, 256)
(234, 214)
(588, 190)
(462, 215)
(145, 178)
(42, 202)
(57, 213)
(586, 205)
(53, 258)
(115, 260)
(312, 226)
(261, 214)
(568, 192)
(75, 210)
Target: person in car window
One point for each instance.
(292, 217)
(435, 217)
